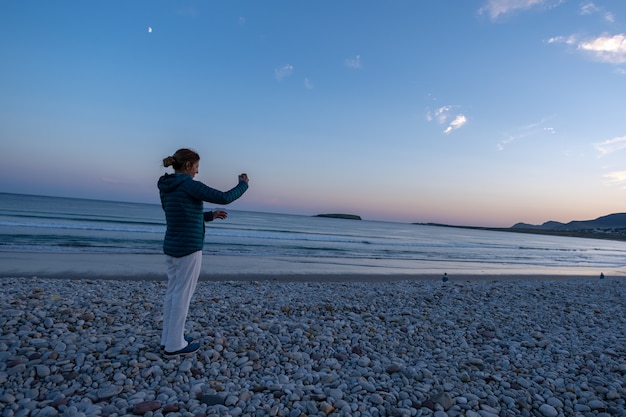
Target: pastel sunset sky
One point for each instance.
(486, 112)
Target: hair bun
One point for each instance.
(169, 161)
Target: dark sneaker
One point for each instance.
(188, 339)
(190, 348)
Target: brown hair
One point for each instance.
(181, 159)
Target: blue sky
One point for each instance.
(482, 112)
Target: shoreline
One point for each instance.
(151, 267)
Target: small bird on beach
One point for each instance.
(444, 278)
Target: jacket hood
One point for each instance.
(169, 182)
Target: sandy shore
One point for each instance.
(228, 268)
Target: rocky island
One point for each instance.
(340, 216)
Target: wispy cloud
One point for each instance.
(611, 145)
(616, 178)
(497, 8)
(591, 8)
(605, 48)
(458, 122)
(307, 84)
(526, 131)
(354, 63)
(443, 115)
(282, 72)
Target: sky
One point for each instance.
(478, 113)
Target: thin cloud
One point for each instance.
(591, 8)
(282, 72)
(506, 141)
(442, 114)
(497, 8)
(616, 178)
(354, 63)
(609, 49)
(458, 122)
(611, 145)
(526, 131)
(307, 84)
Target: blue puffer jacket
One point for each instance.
(182, 200)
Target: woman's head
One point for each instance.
(183, 161)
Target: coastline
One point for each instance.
(228, 268)
(538, 231)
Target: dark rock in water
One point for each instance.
(340, 216)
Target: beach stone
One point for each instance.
(87, 316)
(393, 368)
(211, 399)
(596, 405)
(444, 400)
(555, 402)
(146, 406)
(42, 370)
(47, 411)
(326, 408)
(364, 361)
(60, 347)
(108, 392)
(367, 386)
(548, 411)
(376, 399)
(170, 408)
(7, 398)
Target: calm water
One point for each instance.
(51, 224)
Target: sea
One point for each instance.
(30, 223)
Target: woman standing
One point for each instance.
(182, 200)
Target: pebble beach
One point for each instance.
(477, 348)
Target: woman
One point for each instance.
(182, 200)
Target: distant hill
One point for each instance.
(612, 226)
(607, 224)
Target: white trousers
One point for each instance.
(182, 277)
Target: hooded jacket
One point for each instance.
(182, 200)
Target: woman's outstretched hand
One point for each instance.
(244, 178)
(219, 214)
